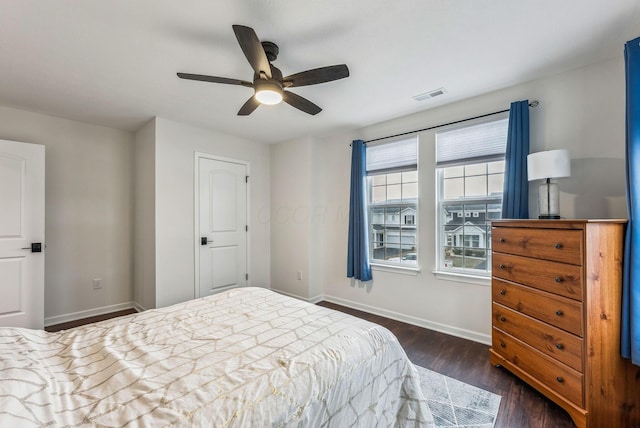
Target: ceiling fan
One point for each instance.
(268, 84)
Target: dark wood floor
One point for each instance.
(467, 361)
(77, 323)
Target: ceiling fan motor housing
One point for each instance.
(271, 50)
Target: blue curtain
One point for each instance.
(630, 339)
(515, 198)
(358, 252)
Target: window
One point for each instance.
(470, 176)
(378, 239)
(392, 187)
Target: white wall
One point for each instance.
(317, 213)
(88, 210)
(297, 173)
(176, 145)
(290, 184)
(582, 110)
(144, 205)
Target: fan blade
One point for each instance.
(249, 107)
(214, 79)
(252, 49)
(300, 103)
(317, 75)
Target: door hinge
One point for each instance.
(246, 178)
(246, 276)
(246, 228)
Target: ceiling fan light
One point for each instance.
(268, 92)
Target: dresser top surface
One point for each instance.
(555, 224)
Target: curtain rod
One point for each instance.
(533, 103)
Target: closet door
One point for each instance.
(223, 226)
(21, 235)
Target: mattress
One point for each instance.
(248, 357)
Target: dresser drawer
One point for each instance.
(560, 312)
(549, 244)
(558, 377)
(564, 347)
(557, 278)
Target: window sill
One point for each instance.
(403, 270)
(462, 277)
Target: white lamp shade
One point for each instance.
(548, 164)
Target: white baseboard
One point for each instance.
(316, 299)
(313, 300)
(138, 307)
(59, 319)
(430, 325)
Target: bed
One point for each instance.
(248, 357)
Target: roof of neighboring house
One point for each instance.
(468, 225)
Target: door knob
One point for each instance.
(36, 247)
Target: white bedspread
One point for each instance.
(248, 357)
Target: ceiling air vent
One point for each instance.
(430, 94)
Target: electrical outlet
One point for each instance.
(97, 283)
(299, 276)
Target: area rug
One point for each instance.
(457, 404)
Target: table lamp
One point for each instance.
(545, 166)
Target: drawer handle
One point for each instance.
(503, 292)
(559, 279)
(558, 246)
(502, 240)
(560, 346)
(503, 319)
(559, 313)
(560, 379)
(503, 267)
(503, 345)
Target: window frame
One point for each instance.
(398, 206)
(394, 221)
(443, 239)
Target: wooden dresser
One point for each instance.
(556, 291)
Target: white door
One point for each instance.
(21, 225)
(223, 227)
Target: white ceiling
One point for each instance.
(114, 62)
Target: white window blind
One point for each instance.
(393, 157)
(484, 142)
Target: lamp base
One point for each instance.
(548, 200)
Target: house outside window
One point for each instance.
(392, 187)
(470, 177)
(378, 239)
